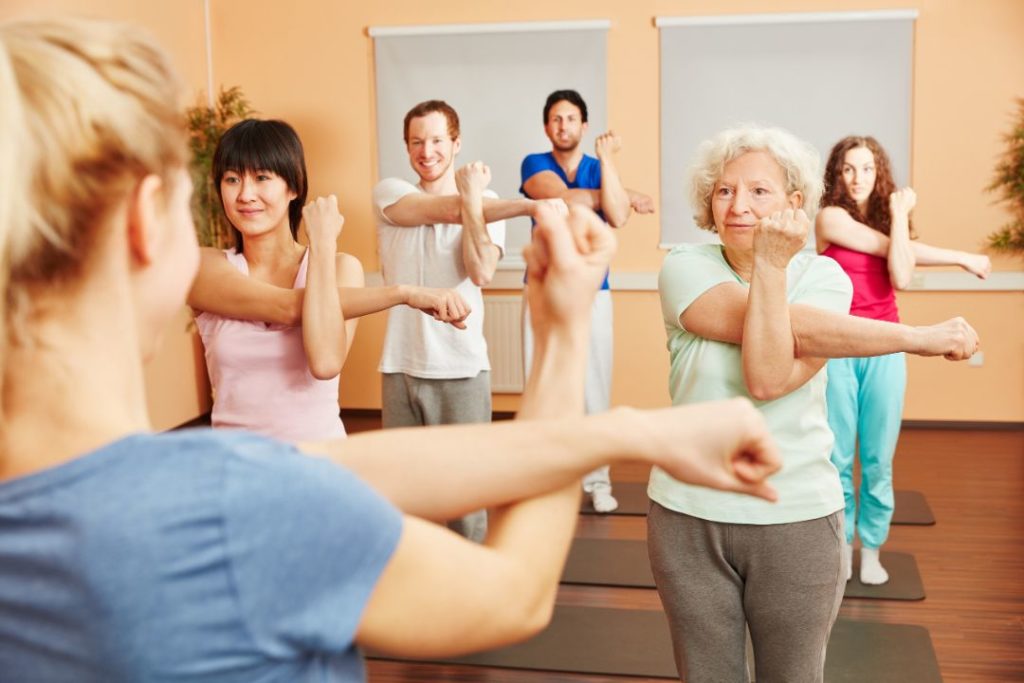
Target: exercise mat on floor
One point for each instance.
(608, 562)
(911, 506)
(618, 563)
(594, 640)
(904, 579)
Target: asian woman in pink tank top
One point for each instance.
(864, 224)
(277, 318)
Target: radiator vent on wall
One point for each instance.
(504, 333)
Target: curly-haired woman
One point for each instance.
(864, 224)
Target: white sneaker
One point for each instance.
(602, 499)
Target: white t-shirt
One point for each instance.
(429, 256)
(705, 370)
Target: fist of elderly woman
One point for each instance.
(780, 236)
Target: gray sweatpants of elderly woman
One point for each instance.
(783, 580)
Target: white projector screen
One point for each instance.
(821, 76)
(497, 77)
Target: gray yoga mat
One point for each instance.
(911, 506)
(610, 562)
(593, 640)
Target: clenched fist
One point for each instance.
(903, 201)
(607, 144)
(780, 236)
(323, 221)
(473, 178)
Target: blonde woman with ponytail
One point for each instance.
(222, 556)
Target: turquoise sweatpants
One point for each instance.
(865, 404)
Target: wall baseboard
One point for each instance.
(958, 425)
(963, 425)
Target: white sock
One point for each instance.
(602, 499)
(872, 573)
(848, 559)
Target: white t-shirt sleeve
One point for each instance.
(389, 191)
(688, 271)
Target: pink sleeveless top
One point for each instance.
(260, 375)
(873, 294)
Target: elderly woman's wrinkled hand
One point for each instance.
(780, 236)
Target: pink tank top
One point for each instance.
(873, 294)
(260, 376)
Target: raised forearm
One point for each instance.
(479, 253)
(900, 258)
(768, 349)
(614, 199)
(323, 330)
(535, 533)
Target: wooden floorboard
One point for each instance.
(971, 562)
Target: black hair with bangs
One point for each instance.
(254, 145)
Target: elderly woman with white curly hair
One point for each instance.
(754, 316)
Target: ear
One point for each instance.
(796, 200)
(583, 128)
(456, 145)
(144, 212)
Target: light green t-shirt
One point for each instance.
(705, 370)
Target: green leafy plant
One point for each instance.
(1009, 183)
(206, 125)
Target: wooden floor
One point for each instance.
(971, 562)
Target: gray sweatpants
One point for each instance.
(408, 401)
(597, 390)
(784, 581)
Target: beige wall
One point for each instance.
(311, 63)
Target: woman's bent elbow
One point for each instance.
(325, 369)
(760, 391)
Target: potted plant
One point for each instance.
(206, 125)
(1009, 183)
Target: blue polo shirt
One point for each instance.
(588, 177)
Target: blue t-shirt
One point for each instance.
(189, 556)
(588, 177)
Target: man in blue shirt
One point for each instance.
(567, 173)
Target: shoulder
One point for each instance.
(831, 215)
(683, 254)
(535, 163)
(349, 270)
(687, 265)
(390, 190)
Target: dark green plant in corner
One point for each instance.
(206, 125)
(1009, 183)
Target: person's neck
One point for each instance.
(862, 207)
(74, 383)
(441, 186)
(272, 250)
(568, 159)
(742, 262)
